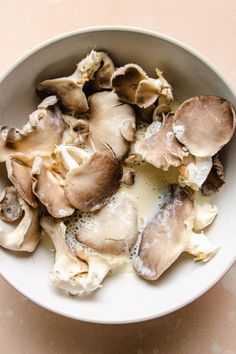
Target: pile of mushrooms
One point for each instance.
(65, 169)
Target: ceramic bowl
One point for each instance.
(124, 298)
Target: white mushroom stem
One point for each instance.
(199, 246)
(67, 151)
(86, 68)
(25, 237)
(205, 214)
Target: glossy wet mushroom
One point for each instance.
(98, 232)
(169, 234)
(111, 123)
(160, 147)
(204, 124)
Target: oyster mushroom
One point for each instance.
(159, 147)
(195, 172)
(98, 232)
(169, 234)
(38, 137)
(48, 186)
(10, 208)
(132, 85)
(204, 124)
(215, 179)
(89, 186)
(26, 235)
(77, 269)
(76, 132)
(20, 175)
(70, 89)
(67, 268)
(111, 123)
(125, 81)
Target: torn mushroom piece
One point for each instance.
(77, 269)
(204, 124)
(26, 235)
(149, 90)
(125, 81)
(89, 186)
(160, 147)
(19, 173)
(67, 268)
(69, 89)
(102, 77)
(111, 123)
(169, 234)
(215, 179)
(76, 132)
(132, 85)
(10, 208)
(48, 186)
(194, 171)
(97, 230)
(38, 137)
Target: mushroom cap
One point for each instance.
(10, 208)
(125, 81)
(20, 176)
(164, 237)
(215, 179)
(89, 186)
(26, 235)
(204, 124)
(111, 123)
(48, 186)
(160, 147)
(98, 232)
(67, 90)
(38, 137)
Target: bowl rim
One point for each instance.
(169, 39)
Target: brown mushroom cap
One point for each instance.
(147, 92)
(20, 176)
(48, 186)
(111, 123)
(69, 93)
(163, 238)
(125, 81)
(10, 208)
(103, 75)
(89, 186)
(103, 236)
(215, 179)
(161, 148)
(204, 124)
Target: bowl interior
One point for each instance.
(124, 297)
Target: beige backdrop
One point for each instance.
(209, 324)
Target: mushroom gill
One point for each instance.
(204, 124)
(38, 137)
(48, 186)
(111, 123)
(215, 178)
(160, 147)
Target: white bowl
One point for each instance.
(125, 297)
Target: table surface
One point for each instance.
(209, 324)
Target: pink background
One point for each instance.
(209, 324)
